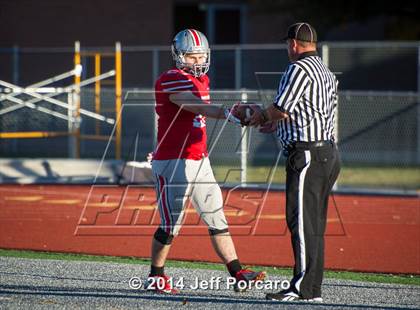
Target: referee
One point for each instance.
(303, 113)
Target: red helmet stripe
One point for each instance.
(195, 36)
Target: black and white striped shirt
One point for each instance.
(308, 94)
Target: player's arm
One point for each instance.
(187, 101)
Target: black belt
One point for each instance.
(310, 145)
(306, 145)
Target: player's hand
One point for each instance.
(258, 116)
(268, 127)
(230, 115)
(244, 111)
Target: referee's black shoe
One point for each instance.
(290, 295)
(284, 295)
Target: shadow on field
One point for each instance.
(127, 294)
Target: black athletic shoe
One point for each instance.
(290, 295)
(284, 295)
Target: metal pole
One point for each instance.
(326, 60)
(155, 62)
(15, 81)
(326, 54)
(210, 24)
(244, 145)
(97, 92)
(72, 143)
(15, 64)
(243, 25)
(238, 68)
(76, 99)
(118, 94)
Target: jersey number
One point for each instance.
(199, 121)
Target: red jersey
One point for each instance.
(181, 134)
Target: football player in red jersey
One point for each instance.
(180, 163)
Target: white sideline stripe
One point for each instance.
(174, 82)
(300, 219)
(178, 87)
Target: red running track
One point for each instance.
(364, 233)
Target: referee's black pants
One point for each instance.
(311, 174)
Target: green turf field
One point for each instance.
(356, 276)
(371, 177)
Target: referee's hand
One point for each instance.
(268, 127)
(257, 117)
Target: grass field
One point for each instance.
(345, 275)
(372, 177)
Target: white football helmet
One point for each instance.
(190, 41)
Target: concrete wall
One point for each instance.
(57, 23)
(73, 171)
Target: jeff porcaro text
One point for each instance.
(214, 283)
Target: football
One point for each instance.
(243, 112)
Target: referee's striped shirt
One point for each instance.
(308, 94)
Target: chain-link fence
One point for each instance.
(379, 128)
(375, 129)
(378, 115)
(379, 66)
